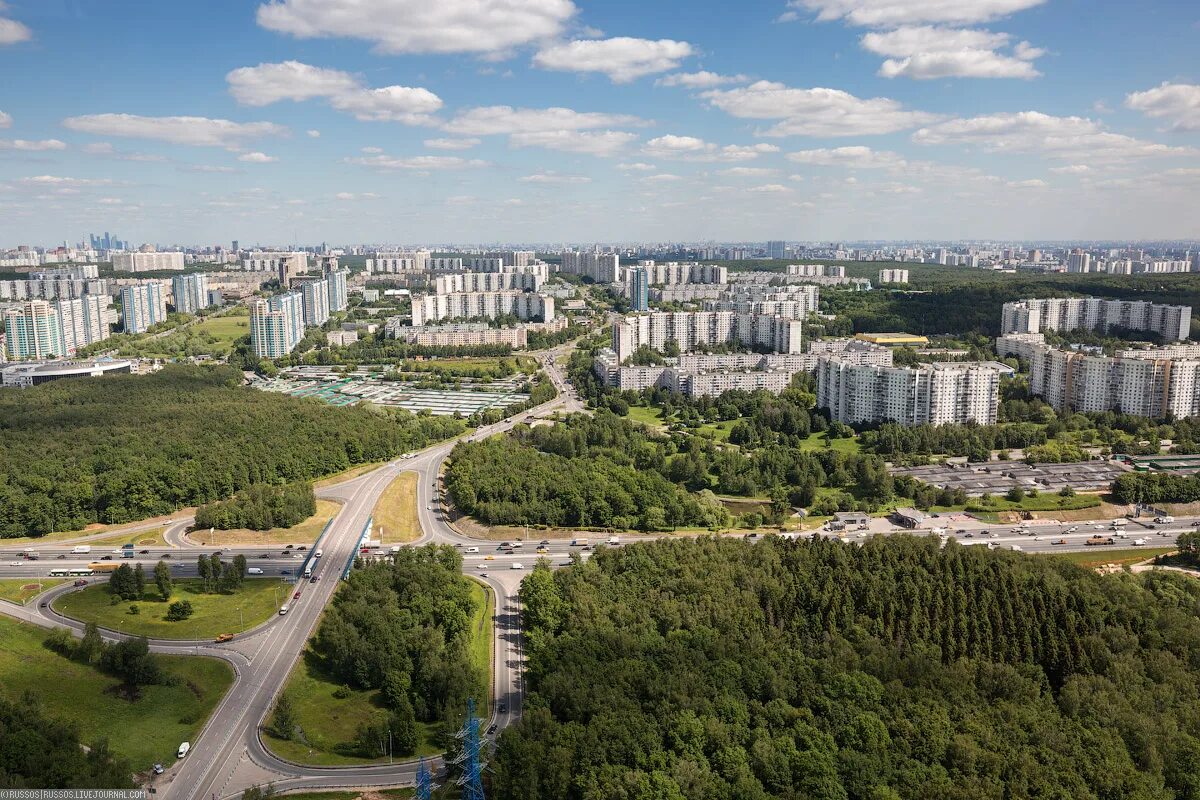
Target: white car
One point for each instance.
(472, 549)
(14, 563)
(517, 565)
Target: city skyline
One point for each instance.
(549, 120)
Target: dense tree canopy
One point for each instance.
(1156, 487)
(127, 447)
(720, 670)
(37, 752)
(260, 507)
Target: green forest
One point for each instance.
(260, 507)
(37, 752)
(722, 670)
(128, 447)
(403, 627)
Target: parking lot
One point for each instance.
(997, 477)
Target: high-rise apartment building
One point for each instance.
(933, 394)
(398, 262)
(147, 262)
(276, 324)
(34, 330)
(339, 297)
(1094, 313)
(142, 305)
(600, 267)
(776, 249)
(1079, 261)
(483, 305)
(893, 276)
(816, 270)
(487, 282)
(190, 292)
(691, 330)
(315, 298)
(84, 320)
(639, 288)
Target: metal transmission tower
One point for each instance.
(471, 779)
(424, 781)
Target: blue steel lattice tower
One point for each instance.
(471, 779)
(424, 781)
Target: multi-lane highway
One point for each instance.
(228, 756)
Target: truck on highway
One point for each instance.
(1139, 542)
(579, 543)
(1100, 540)
(127, 554)
(254, 571)
(308, 571)
(81, 549)
(127, 547)
(1164, 520)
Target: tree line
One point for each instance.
(1156, 487)
(128, 447)
(40, 752)
(720, 670)
(260, 507)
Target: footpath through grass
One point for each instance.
(145, 731)
(327, 721)
(303, 532)
(21, 590)
(395, 513)
(213, 614)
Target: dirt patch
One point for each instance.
(31, 587)
(194, 689)
(125, 692)
(1182, 509)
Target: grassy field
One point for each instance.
(214, 614)
(395, 513)
(20, 590)
(305, 532)
(1099, 556)
(817, 441)
(326, 720)
(646, 415)
(146, 731)
(1043, 502)
(717, 430)
(481, 626)
(96, 530)
(226, 328)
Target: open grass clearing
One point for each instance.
(256, 602)
(647, 415)
(395, 513)
(22, 590)
(817, 441)
(326, 721)
(226, 328)
(145, 731)
(304, 532)
(1099, 556)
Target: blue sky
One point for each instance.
(386, 120)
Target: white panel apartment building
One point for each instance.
(693, 329)
(487, 282)
(464, 334)
(893, 276)
(816, 270)
(600, 267)
(934, 394)
(1154, 383)
(671, 273)
(488, 305)
(276, 324)
(85, 320)
(404, 261)
(272, 261)
(1094, 313)
(314, 297)
(190, 292)
(142, 305)
(445, 264)
(51, 288)
(146, 262)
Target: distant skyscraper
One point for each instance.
(776, 249)
(34, 330)
(142, 306)
(639, 288)
(190, 292)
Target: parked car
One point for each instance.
(158, 769)
(224, 637)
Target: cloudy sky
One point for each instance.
(586, 120)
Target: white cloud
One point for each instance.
(196, 131)
(663, 177)
(1072, 169)
(106, 150)
(208, 168)
(1177, 103)
(257, 158)
(593, 143)
(1032, 183)
(690, 148)
(747, 172)
(490, 120)
(344, 196)
(816, 112)
(55, 181)
(293, 80)
(856, 157)
(416, 162)
(554, 177)
(888, 13)
(770, 188)
(371, 151)
(353, 196)
(637, 166)
(315, 134)
(622, 59)
(11, 31)
(32, 146)
(1074, 138)
(925, 52)
(465, 143)
(700, 80)
(420, 26)
(5, 120)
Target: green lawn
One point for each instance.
(717, 430)
(1043, 502)
(227, 328)
(326, 720)
(646, 415)
(1098, 556)
(214, 614)
(145, 731)
(395, 512)
(20, 590)
(816, 441)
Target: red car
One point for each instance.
(296, 596)
(81, 583)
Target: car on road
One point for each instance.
(224, 637)
(489, 557)
(14, 563)
(264, 555)
(296, 596)
(483, 574)
(166, 555)
(313, 579)
(158, 769)
(544, 542)
(541, 551)
(81, 582)
(143, 552)
(106, 558)
(502, 708)
(968, 535)
(302, 547)
(43, 604)
(1060, 541)
(983, 532)
(289, 547)
(61, 557)
(472, 549)
(516, 565)
(491, 730)
(1098, 527)
(285, 572)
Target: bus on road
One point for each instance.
(60, 572)
(80, 572)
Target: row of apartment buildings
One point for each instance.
(1154, 382)
(691, 330)
(1094, 313)
(43, 329)
(489, 305)
(277, 323)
